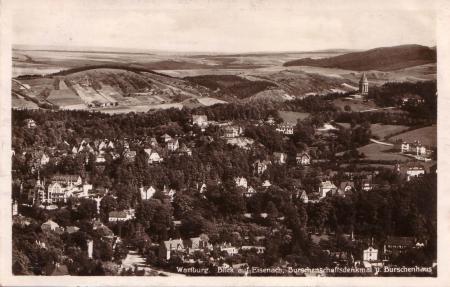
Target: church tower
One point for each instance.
(363, 85)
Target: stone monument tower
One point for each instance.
(364, 85)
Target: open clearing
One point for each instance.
(356, 105)
(375, 151)
(426, 135)
(292, 117)
(383, 131)
(379, 130)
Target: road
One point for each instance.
(134, 259)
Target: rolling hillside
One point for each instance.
(382, 59)
(105, 86)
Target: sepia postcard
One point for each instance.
(224, 143)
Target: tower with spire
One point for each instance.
(364, 85)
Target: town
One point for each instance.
(228, 189)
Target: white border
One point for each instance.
(443, 279)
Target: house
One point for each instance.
(200, 120)
(166, 138)
(170, 246)
(411, 99)
(173, 144)
(366, 184)
(266, 183)
(414, 171)
(415, 148)
(260, 166)
(241, 181)
(325, 187)
(303, 196)
(270, 120)
(129, 155)
(50, 225)
(404, 147)
(395, 245)
(199, 243)
(72, 229)
(67, 179)
(100, 158)
(286, 128)
(232, 131)
(303, 159)
(170, 193)
(337, 192)
(147, 193)
(347, 186)
(44, 159)
(184, 150)
(153, 142)
(30, 123)
(370, 254)
(250, 192)
(257, 249)
(153, 156)
(57, 193)
(229, 249)
(280, 157)
(125, 215)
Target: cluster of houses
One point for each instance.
(186, 248)
(59, 190)
(416, 150)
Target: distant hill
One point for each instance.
(382, 59)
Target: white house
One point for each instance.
(370, 254)
(30, 123)
(44, 159)
(258, 249)
(147, 193)
(230, 250)
(241, 181)
(250, 192)
(261, 166)
(232, 131)
(115, 216)
(266, 183)
(414, 171)
(169, 246)
(200, 120)
(304, 197)
(303, 159)
(286, 128)
(49, 225)
(173, 144)
(325, 187)
(280, 157)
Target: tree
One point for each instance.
(107, 204)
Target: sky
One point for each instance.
(223, 25)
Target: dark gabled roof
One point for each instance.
(65, 177)
(118, 214)
(402, 241)
(346, 183)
